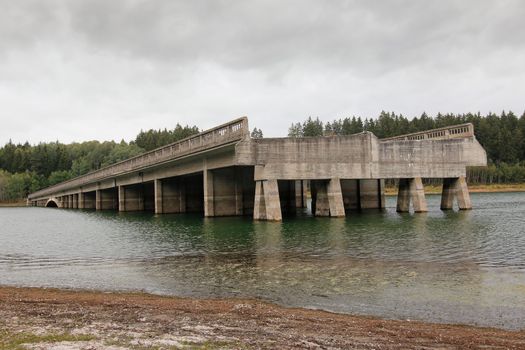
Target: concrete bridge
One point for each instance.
(224, 172)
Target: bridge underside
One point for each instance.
(232, 191)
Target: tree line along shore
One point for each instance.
(26, 168)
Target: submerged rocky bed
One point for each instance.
(32, 318)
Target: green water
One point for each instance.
(454, 267)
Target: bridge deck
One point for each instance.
(221, 135)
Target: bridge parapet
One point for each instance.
(449, 132)
(233, 131)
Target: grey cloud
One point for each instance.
(152, 62)
(256, 34)
(354, 35)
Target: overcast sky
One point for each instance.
(82, 70)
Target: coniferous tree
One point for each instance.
(257, 133)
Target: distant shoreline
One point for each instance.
(97, 320)
(10, 204)
(494, 188)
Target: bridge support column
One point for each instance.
(327, 198)
(172, 195)
(411, 190)
(239, 197)
(70, 201)
(259, 206)
(305, 192)
(121, 198)
(300, 194)
(455, 187)
(372, 194)
(463, 194)
(107, 199)
(131, 198)
(335, 198)
(209, 204)
(75, 200)
(227, 191)
(89, 200)
(81, 200)
(98, 200)
(267, 205)
(157, 189)
(351, 197)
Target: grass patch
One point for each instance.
(14, 341)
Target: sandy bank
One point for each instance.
(60, 319)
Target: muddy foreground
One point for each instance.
(59, 319)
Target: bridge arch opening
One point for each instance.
(51, 204)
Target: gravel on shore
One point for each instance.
(35, 318)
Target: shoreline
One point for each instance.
(496, 188)
(15, 204)
(76, 319)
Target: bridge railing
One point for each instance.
(449, 132)
(233, 131)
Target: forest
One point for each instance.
(502, 136)
(25, 168)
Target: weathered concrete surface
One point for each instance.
(411, 191)
(371, 194)
(455, 188)
(223, 172)
(360, 156)
(335, 198)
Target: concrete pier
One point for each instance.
(107, 199)
(411, 191)
(170, 196)
(455, 188)
(267, 201)
(327, 198)
(224, 172)
(132, 198)
(335, 198)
